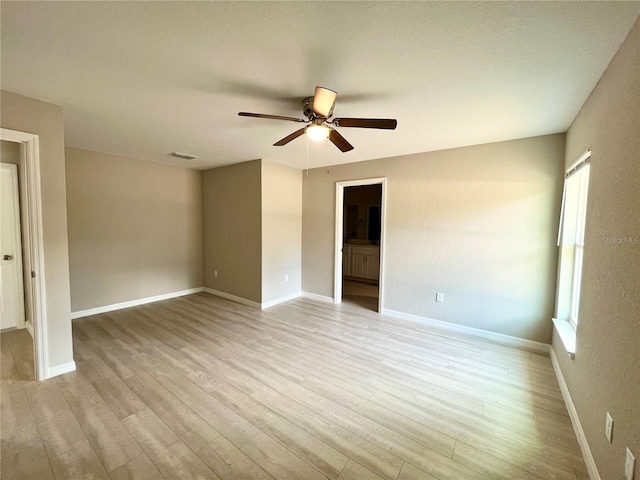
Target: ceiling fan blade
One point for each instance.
(272, 117)
(339, 141)
(383, 123)
(288, 138)
(323, 100)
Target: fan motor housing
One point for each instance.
(307, 109)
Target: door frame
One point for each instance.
(339, 227)
(17, 234)
(31, 216)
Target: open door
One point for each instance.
(12, 298)
(359, 242)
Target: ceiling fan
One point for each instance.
(318, 110)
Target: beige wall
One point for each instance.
(45, 120)
(232, 228)
(281, 231)
(476, 223)
(135, 228)
(605, 374)
(10, 152)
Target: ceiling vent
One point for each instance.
(183, 156)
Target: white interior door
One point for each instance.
(12, 298)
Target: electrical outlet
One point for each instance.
(629, 465)
(286, 278)
(608, 428)
(215, 273)
(439, 297)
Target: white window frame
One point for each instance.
(571, 235)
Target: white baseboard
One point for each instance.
(133, 303)
(233, 298)
(315, 296)
(575, 421)
(286, 298)
(61, 369)
(476, 332)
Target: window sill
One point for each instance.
(567, 334)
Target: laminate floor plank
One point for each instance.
(492, 466)
(202, 387)
(278, 461)
(355, 471)
(109, 438)
(22, 451)
(520, 451)
(8, 370)
(365, 452)
(225, 420)
(429, 384)
(385, 438)
(230, 463)
(168, 453)
(122, 400)
(192, 429)
(138, 468)
(409, 472)
(21, 346)
(309, 448)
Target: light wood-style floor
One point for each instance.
(360, 293)
(200, 387)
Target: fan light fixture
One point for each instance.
(317, 133)
(318, 111)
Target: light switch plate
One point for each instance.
(629, 465)
(608, 428)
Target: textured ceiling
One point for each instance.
(142, 79)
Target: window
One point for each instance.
(571, 239)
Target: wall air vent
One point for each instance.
(183, 156)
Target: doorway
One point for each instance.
(21, 152)
(360, 214)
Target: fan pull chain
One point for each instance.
(328, 154)
(307, 155)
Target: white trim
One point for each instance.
(61, 369)
(339, 234)
(581, 159)
(34, 254)
(233, 298)
(567, 333)
(319, 298)
(500, 338)
(134, 303)
(286, 298)
(592, 469)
